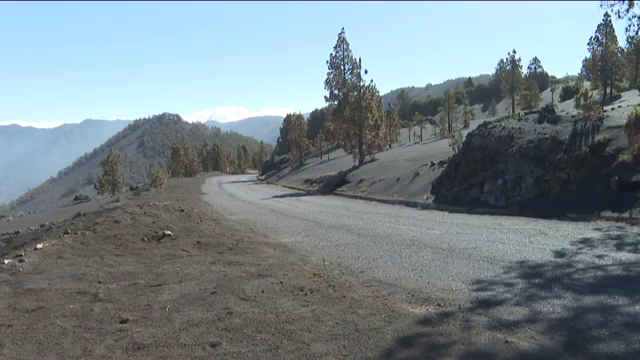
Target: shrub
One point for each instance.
(416, 136)
(73, 189)
(632, 126)
(455, 141)
(158, 179)
(568, 92)
(416, 173)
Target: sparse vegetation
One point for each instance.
(158, 179)
(604, 65)
(530, 98)
(393, 125)
(243, 160)
(73, 189)
(449, 111)
(184, 161)
(112, 178)
(455, 141)
(632, 128)
(493, 109)
(569, 91)
(298, 138)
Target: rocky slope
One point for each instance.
(543, 162)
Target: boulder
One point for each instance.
(81, 198)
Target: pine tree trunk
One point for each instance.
(635, 73)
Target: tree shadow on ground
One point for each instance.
(241, 181)
(582, 304)
(289, 195)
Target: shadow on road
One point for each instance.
(583, 304)
(242, 181)
(289, 195)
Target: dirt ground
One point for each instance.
(104, 286)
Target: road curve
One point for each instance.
(575, 285)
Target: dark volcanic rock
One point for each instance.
(507, 161)
(81, 198)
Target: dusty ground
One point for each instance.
(213, 290)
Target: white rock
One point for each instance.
(167, 233)
(38, 247)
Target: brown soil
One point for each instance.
(213, 290)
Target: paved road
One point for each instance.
(557, 287)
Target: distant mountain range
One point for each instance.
(31, 155)
(265, 128)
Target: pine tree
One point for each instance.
(604, 67)
(112, 178)
(449, 109)
(393, 125)
(376, 135)
(356, 120)
(404, 101)
(340, 83)
(493, 109)
(184, 161)
(261, 155)
(298, 138)
(242, 158)
(223, 159)
(205, 156)
(467, 112)
(191, 161)
(419, 120)
(632, 53)
(530, 97)
(319, 143)
(176, 160)
(158, 179)
(536, 72)
(512, 80)
(317, 122)
(553, 86)
(282, 145)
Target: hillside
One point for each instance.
(31, 155)
(265, 128)
(517, 152)
(145, 145)
(433, 90)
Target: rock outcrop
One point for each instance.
(508, 160)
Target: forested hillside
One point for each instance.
(145, 145)
(433, 90)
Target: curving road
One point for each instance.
(561, 289)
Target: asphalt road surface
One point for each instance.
(554, 289)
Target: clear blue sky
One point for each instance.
(64, 62)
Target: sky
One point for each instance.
(225, 61)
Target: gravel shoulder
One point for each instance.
(215, 289)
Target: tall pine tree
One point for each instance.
(512, 79)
